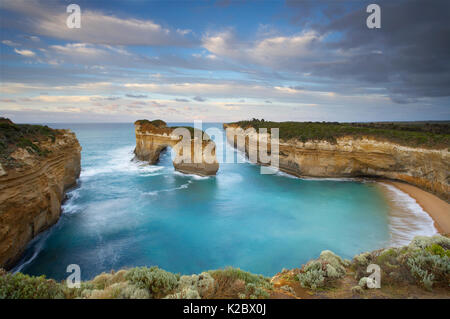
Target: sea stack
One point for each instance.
(37, 165)
(152, 137)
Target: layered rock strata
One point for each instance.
(154, 137)
(32, 187)
(359, 157)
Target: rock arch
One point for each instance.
(152, 137)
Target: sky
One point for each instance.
(222, 61)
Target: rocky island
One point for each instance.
(37, 165)
(152, 137)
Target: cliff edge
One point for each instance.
(152, 137)
(413, 153)
(37, 165)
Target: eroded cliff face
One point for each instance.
(151, 140)
(362, 157)
(31, 191)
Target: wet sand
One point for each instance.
(438, 209)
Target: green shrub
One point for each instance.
(323, 271)
(120, 290)
(24, 136)
(157, 281)
(20, 286)
(238, 274)
(234, 282)
(194, 287)
(436, 249)
(428, 260)
(422, 242)
(312, 275)
(185, 293)
(428, 268)
(253, 291)
(425, 261)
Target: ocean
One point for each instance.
(126, 213)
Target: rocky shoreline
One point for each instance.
(364, 156)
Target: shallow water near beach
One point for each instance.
(126, 213)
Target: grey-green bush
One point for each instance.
(158, 282)
(323, 271)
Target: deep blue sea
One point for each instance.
(125, 213)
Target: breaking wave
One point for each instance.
(406, 219)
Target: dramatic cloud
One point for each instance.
(408, 57)
(302, 60)
(97, 28)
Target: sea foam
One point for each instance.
(121, 161)
(406, 219)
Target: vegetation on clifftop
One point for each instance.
(423, 264)
(423, 134)
(160, 124)
(26, 136)
(157, 123)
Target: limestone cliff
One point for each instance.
(362, 156)
(36, 167)
(153, 137)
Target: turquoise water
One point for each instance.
(125, 214)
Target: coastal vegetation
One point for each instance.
(415, 134)
(323, 271)
(423, 265)
(160, 124)
(26, 136)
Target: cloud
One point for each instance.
(97, 28)
(108, 98)
(93, 56)
(27, 53)
(77, 49)
(198, 99)
(407, 56)
(136, 96)
(271, 51)
(407, 59)
(331, 61)
(10, 43)
(32, 38)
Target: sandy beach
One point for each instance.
(437, 208)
